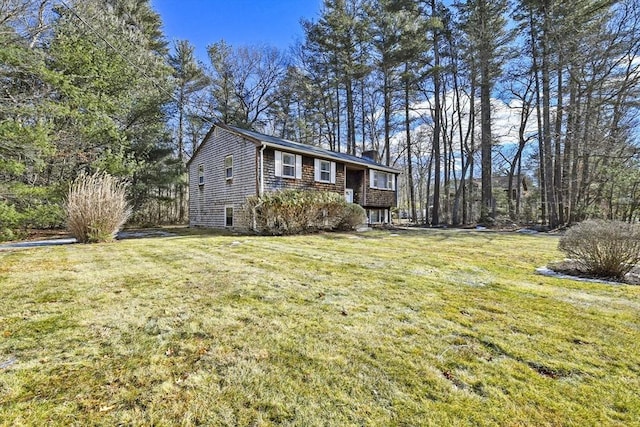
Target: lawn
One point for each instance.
(380, 328)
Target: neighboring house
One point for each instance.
(232, 164)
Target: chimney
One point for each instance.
(371, 155)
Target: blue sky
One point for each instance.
(238, 22)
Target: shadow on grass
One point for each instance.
(437, 234)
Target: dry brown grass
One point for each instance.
(407, 328)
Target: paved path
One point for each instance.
(37, 243)
(55, 242)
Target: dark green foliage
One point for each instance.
(29, 207)
(9, 220)
(92, 94)
(296, 212)
(603, 248)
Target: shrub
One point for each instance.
(40, 206)
(296, 211)
(603, 248)
(43, 216)
(96, 207)
(10, 218)
(352, 216)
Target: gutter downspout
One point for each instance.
(260, 190)
(262, 170)
(395, 179)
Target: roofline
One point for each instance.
(326, 155)
(193, 155)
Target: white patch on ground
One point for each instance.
(7, 363)
(544, 271)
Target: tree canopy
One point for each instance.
(524, 111)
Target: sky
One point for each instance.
(238, 22)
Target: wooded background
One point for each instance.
(525, 111)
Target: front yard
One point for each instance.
(381, 328)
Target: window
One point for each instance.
(382, 180)
(288, 165)
(200, 174)
(377, 216)
(228, 216)
(325, 171)
(228, 167)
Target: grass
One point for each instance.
(413, 328)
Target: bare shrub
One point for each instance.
(603, 248)
(96, 207)
(295, 212)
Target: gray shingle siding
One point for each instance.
(207, 202)
(308, 182)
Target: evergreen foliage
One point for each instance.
(92, 85)
(296, 212)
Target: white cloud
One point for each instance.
(505, 119)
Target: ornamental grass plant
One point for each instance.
(96, 207)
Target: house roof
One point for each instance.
(297, 147)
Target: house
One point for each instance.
(232, 164)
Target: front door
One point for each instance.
(348, 195)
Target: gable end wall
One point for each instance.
(207, 202)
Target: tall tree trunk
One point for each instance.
(351, 122)
(363, 121)
(338, 136)
(435, 215)
(407, 130)
(387, 117)
(429, 172)
(485, 120)
(468, 213)
(546, 118)
(535, 69)
(557, 176)
(181, 189)
(460, 190)
(567, 159)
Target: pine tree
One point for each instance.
(484, 23)
(190, 79)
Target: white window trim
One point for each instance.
(391, 180)
(381, 214)
(318, 171)
(228, 178)
(225, 215)
(289, 165)
(201, 174)
(280, 166)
